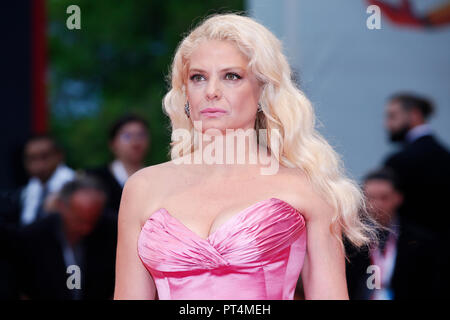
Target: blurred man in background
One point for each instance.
(70, 254)
(422, 165)
(44, 163)
(405, 260)
(423, 168)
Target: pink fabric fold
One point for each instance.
(257, 254)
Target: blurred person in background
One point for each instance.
(77, 234)
(423, 163)
(423, 168)
(44, 163)
(129, 141)
(405, 256)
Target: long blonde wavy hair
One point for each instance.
(286, 108)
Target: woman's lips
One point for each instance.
(213, 112)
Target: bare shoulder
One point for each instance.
(151, 173)
(305, 195)
(144, 190)
(144, 178)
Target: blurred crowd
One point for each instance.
(58, 233)
(406, 195)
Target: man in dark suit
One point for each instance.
(404, 263)
(70, 254)
(422, 165)
(423, 168)
(44, 162)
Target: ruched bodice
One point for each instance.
(258, 253)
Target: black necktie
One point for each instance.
(40, 213)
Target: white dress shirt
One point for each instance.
(32, 192)
(418, 131)
(119, 172)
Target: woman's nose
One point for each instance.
(213, 89)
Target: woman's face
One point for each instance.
(222, 92)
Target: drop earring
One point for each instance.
(186, 109)
(259, 107)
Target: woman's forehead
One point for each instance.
(218, 51)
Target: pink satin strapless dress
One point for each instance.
(257, 254)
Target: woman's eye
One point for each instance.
(196, 77)
(232, 76)
(228, 76)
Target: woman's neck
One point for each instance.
(225, 154)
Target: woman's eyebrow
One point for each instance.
(196, 70)
(225, 69)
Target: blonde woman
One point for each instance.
(205, 229)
